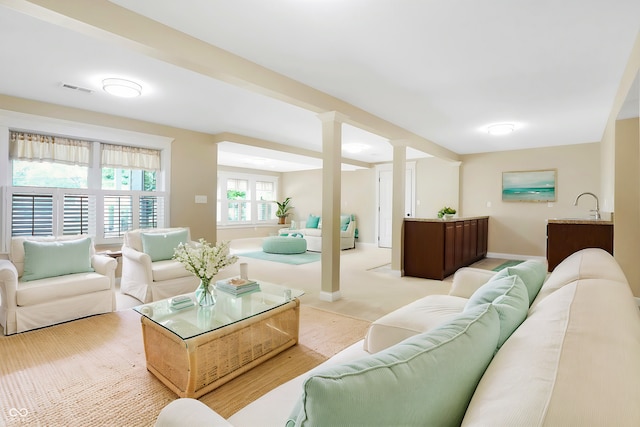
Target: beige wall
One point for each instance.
(358, 197)
(519, 228)
(619, 174)
(437, 185)
(627, 200)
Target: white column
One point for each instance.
(331, 197)
(398, 202)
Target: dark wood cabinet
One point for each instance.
(567, 237)
(435, 249)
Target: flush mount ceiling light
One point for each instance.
(354, 147)
(501, 129)
(122, 88)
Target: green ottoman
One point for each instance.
(284, 245)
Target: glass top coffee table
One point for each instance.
(194, 349)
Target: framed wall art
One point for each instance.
(529, 186)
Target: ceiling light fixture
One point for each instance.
(501, 129)
(121, 87)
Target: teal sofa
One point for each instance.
(312, 232)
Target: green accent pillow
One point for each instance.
(509, 296)
(344, 222)
(312, 221)
(425, 380)
(161, 246)
(532, 272)
(51, 259)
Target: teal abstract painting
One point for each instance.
(529, 186)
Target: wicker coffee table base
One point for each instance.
(195, 366)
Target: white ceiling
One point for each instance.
(443, 70)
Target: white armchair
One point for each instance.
(148, 272)
(49, 280)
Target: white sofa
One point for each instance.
(148, 272)
(313, 235)
(56, 279)
(574, 359)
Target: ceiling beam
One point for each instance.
(263, 143)
(108, 21)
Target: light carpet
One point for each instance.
(92, 371)
(292, 259)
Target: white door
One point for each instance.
(385, 200)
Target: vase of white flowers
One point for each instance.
(204, 261)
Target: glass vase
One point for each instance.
(205, 294)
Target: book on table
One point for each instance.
(237, 286)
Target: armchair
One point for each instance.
(49, 280)
(148, 272)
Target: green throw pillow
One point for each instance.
(426, 380)
(509, 296)
(312, 221)
(161, 246)
(51, 259)
(344, 222)
(532, 272)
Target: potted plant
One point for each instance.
(283, 210)
(446, 213)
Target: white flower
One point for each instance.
(204, 260)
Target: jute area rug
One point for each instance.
(92, 371)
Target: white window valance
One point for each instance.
(35, 147)
(122, 157)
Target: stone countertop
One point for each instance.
(455, 218)
(589, 221)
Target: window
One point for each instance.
(31, 215)
(46, 174)
(246, 199)
(265, 195)
(57, 186)
(128, 179)
(118, 215)
(76, 214)
(238, 206)
(150, 206)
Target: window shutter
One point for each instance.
(78, 214)
(149, 206)
(32, 215)
(118, 215)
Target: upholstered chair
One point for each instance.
(148, 271)
(49, 280)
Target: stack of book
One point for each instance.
(237, 286)
(180, 302)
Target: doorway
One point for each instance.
(384, 190)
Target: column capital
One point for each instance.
(332, 116)
(399, 142)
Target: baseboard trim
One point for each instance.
(397, 273)
(330, 296)
(515, 257)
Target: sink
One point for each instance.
(583, 219)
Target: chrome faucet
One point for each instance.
(596, 210)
